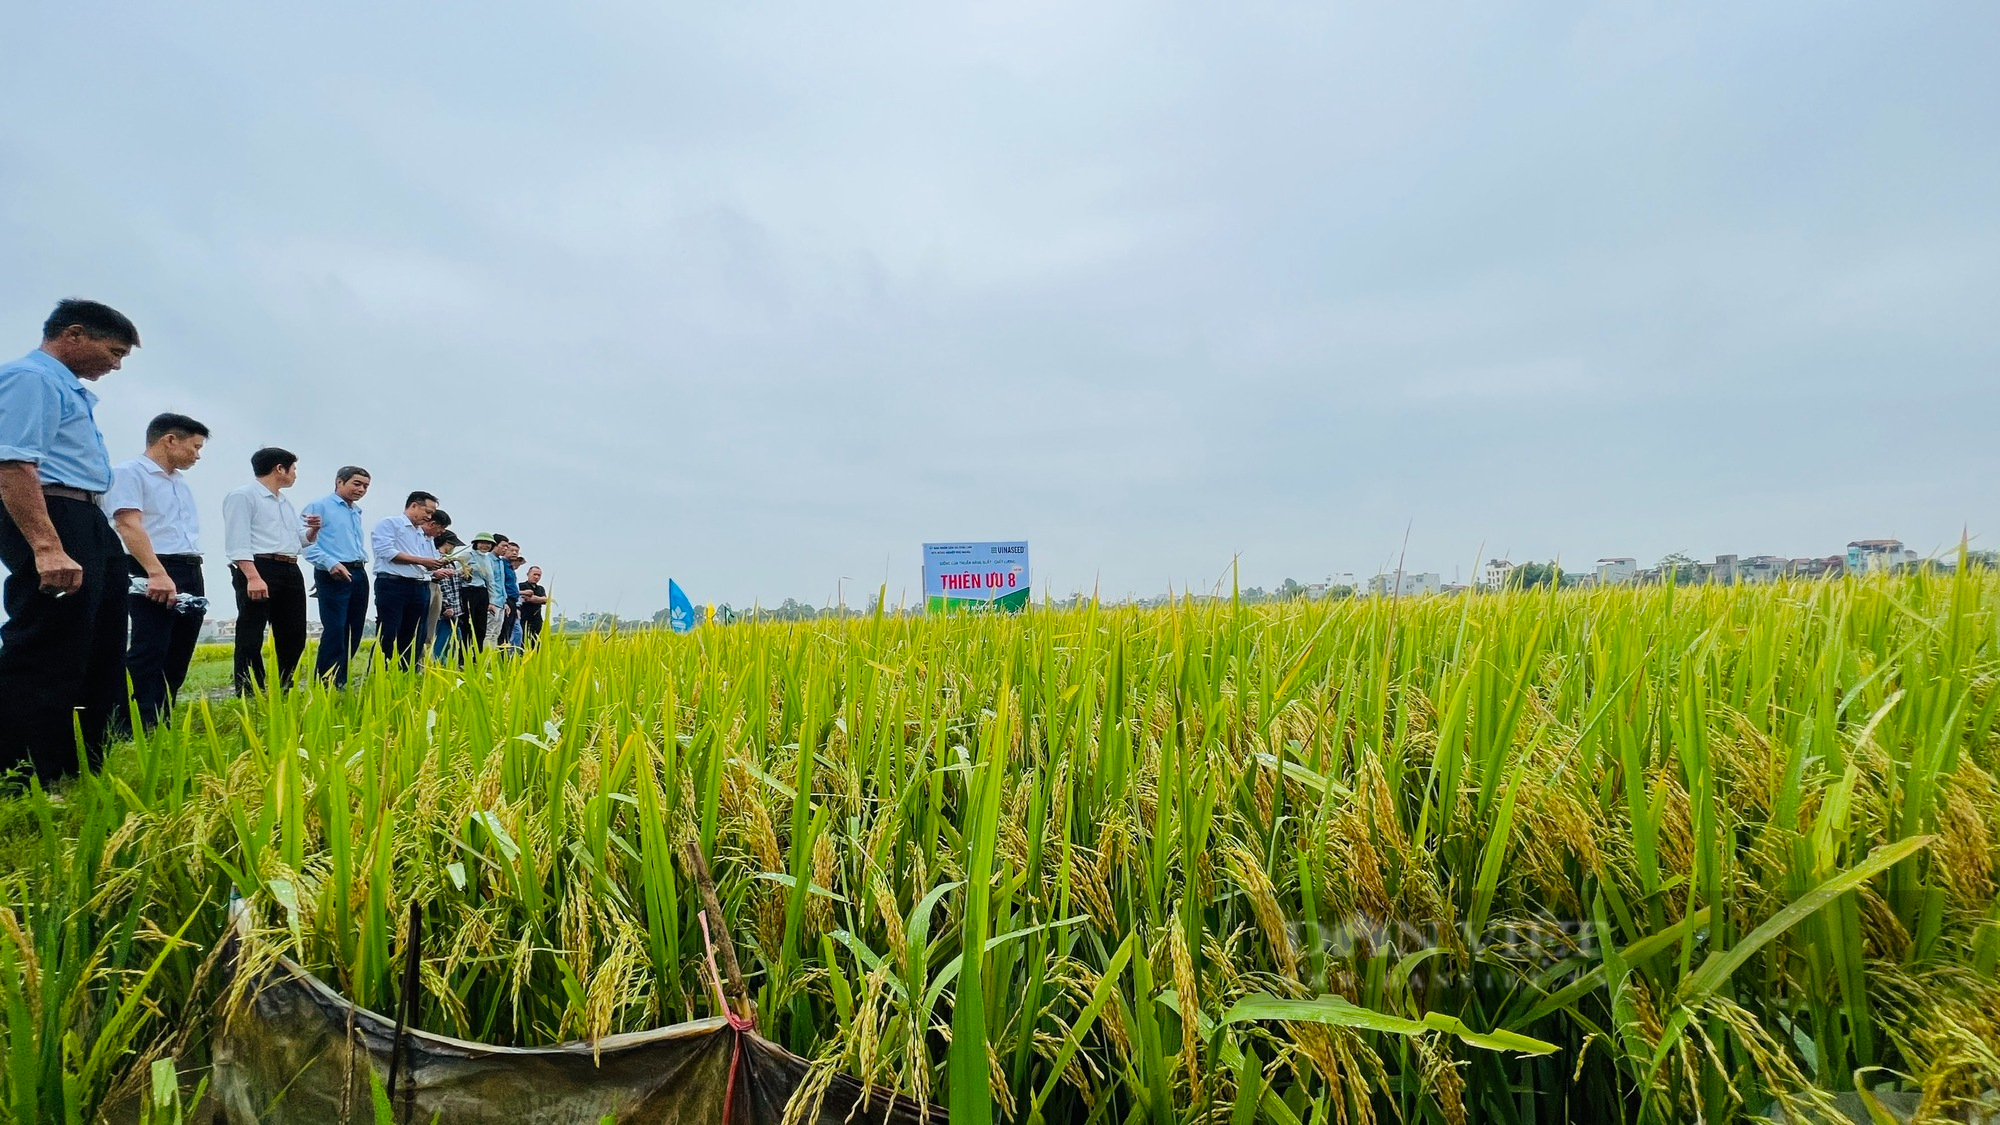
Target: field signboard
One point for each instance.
(976, 576)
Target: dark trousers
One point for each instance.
(62, 660)
(162, 640)
(531, 630)
(284, 611)
(433, 617)
(474, 616)
(464, 640)
(343, 617)
(400, 607)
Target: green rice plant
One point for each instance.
(1620, 854)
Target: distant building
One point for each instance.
(1724, 570)
(1763, 568)
(1404, 585)
(1866, 556)
(1494, 574)
(1615, 572)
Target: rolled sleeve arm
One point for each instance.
(127, 492)
(237, 513)
(382, 544)
(316, 553)
(29, 412)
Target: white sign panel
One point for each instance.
(976, 575)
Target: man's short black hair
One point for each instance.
(418, 498)
(101, 321)
(349, 472)
(179, 424)
(499, 539)
(440, 517)
(271, 457)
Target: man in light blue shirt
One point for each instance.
(62, 648)
(339, 559)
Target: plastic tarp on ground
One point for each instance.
(291, 1051)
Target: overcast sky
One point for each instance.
(764, 296)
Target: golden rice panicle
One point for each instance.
(1181, 965)
(1967, 849)
(825, 868)
(1256, 886)
(1443, 1078)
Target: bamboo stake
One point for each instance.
(698, 867)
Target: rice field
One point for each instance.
(1645, 855)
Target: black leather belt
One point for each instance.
(67, 493)
(186, 560)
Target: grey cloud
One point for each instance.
(763, 297)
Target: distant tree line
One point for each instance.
(1678, 567)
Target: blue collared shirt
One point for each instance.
(48, 416)
(340, 538)
(512, 583)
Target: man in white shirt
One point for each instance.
(153, 511)
(263, 537)
(405, 556)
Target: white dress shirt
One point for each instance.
(396, 535)
(164, 502)
(257, 521)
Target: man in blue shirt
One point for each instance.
(62, 648)
(511, 586)
(339, 559)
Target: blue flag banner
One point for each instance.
(680, 611)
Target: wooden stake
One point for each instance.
(406, 1010)
(698, 867)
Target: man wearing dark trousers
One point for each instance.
(153, 511)
(404, 557)
(534, 596)
(62, 648)
(340, 573)
(264, 536)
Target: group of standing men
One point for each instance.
(423, 577)
(91, 549)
